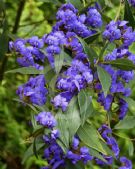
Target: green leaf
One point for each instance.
(123, 64)
(108, 3)
(35, 148)
(85, 105)
(59, 59)
(29, 152)
(26, 70)
(130, 148)
(62, 126)
(127, 123)
(69, 122)
(106, 148)
(76, 3)
(89, 136)
(96, 154)
(89, 51)
(73, 117)
(128, 16)
(105, 79)
(92, 38)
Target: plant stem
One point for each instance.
(119, 10)
(84, 3)
(18, 16)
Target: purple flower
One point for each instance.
(75, 143)
(114, 146)
(126, 164)
(46, 119)
(123, 108)
(128, 36)
(33, 91)
(36, 42)
(112, 32)
(85, 155)
(62, 100)
(132, 2)
(109, 160)
(53, 49)
(93, 18)
(55, 134)
(105, 101)
(73, 157)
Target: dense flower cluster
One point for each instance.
(119, 31)
(33, 91)
(53, 153)
(126, 36)
(77, 77)
(29, 52)
(65, 35)
(46, 119)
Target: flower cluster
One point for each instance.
(53, 152)
(65, 35)
(33, 91)
(106, 134)
(77, 77)
(29, 51)
(46, 119)
(118, 31)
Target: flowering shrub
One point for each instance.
(69, 73)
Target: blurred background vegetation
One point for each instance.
(26, 18)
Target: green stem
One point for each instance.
(84, 3)
(119, 10)
(108, 119)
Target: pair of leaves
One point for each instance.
(69, 122)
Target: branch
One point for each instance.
(15, 28)
(18, 16)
